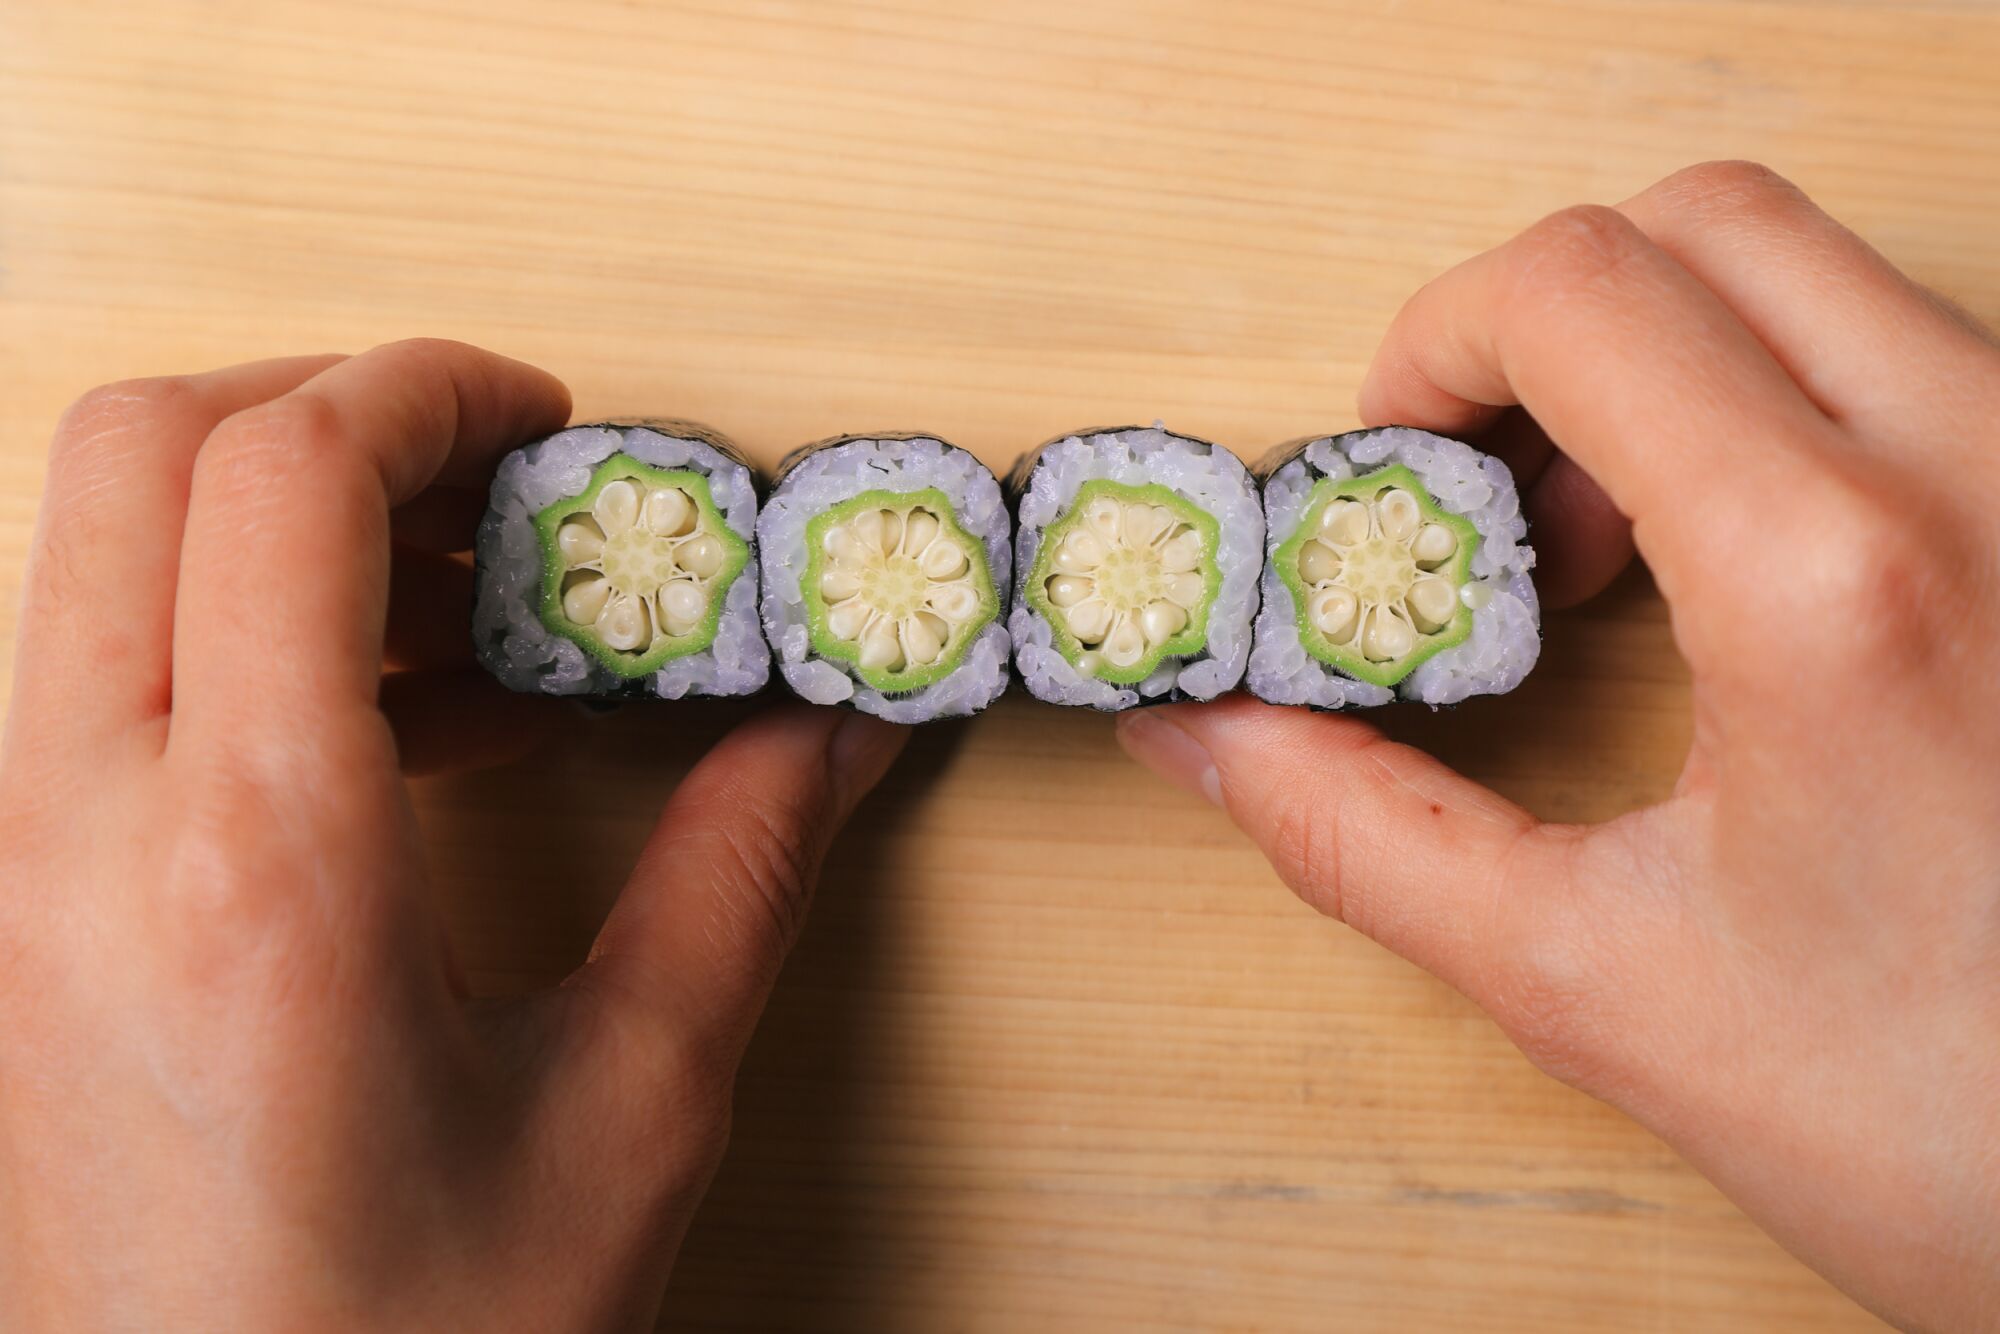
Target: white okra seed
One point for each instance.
(880, 649)
(843, 546)
(579, 540)
(1162, 620)
(1126, 643)
(1090, 619)
(617, 506)
(701, 557)
(584, 600)
(847, 619)
(1186, 589)
(922, 527)
(1066, 590)
(1080, 553)
(1344, 522)
(923, 637)
(669, 512)
(1181, 553)
(1334, 610)
(1431, 602)
(943, 560)
(682, 605)
(1396, 511)
(623, 624)
(1317, 562)
(1143, 523)
(1105, 516)
(955, 602)
(1433, 545)
(1386, 637)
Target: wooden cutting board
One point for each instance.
(1058, 1051)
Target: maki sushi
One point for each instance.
(617, 560)
(1396, 569)
(1138, 552)
(886, 569)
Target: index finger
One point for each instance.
(284, 576)
(1635, 369)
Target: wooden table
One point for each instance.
(1058, 1051)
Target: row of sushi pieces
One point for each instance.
(897, 575)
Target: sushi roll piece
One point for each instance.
(886, 566)
(1395, 569)
(1138, 552)
(617, 560)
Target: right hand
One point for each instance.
(1790, 970)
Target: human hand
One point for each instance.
(240, 1087)
(1790, 970)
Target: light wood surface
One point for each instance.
(1058, 1051)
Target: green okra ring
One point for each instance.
(1125, 578)
(895, 588)
(1378, 574)
(635, 567)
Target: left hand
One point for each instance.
(240, 1087)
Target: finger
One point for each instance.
(721, 890)
(454, 721)
(1866, 343)
(1378, 835)
(97, 616)
(285, 571)
(430, 611)
(1635, 370)
(439, 518)
(1518, 440)
(1581, 540)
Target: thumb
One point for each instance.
(721, 888)
(1369, 831)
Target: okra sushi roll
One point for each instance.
(1396, 568)
(618, 560)
(1138, 552)
(886, 568)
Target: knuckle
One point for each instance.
(661, 1060)
(1728, 186)
(427, 346)
(1309, 836)
(1886, 580)
(110, 409)
(251, 458)
(1578, 247)
(769, 860)
(1305, 849)
(1548, 979)
(276, 433)
(225, 884)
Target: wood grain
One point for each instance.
(1058, 1051)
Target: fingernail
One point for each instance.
(1171, 751)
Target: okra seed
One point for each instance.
(1434, 545)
